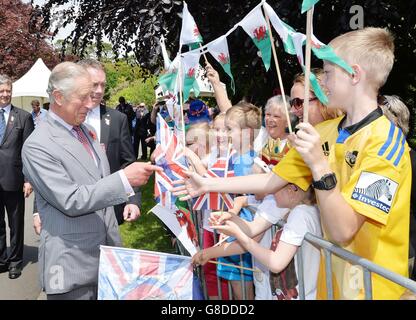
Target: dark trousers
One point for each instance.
(140, 140)
(14, 203)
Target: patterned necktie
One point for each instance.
(2, 124)
(83, 139)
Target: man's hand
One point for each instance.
(192, 186)
(27, 189)
(131, 212)
(138, 173)
(37, 224)
(200, 258)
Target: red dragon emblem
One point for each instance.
(223, 58)
(184, 219)
(196, 31)
(260, 33)
(191, 72)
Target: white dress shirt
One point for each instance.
(127, 187)
(93, 119)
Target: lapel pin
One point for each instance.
(107, 121)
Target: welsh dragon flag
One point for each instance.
(219, 50)
(168, 80)
(256, 27)
(293, 43)
(189, 33)
(190, 64)
(308, 4)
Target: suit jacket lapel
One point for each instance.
(64, 138)
(11, 123)
(105, 125)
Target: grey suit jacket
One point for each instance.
(75, 199)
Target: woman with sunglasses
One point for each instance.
(317, 111)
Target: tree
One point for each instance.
(135, 26)
(20, 43)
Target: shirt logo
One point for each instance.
(375, 190)
(351, 158)
(325, 147)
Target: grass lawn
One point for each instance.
(148, 231)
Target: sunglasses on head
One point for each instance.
(297, 103)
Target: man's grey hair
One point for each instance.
(91, 63)
(63, 78)
(4, 79)
(277, 101)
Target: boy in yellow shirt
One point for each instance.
(358, 164)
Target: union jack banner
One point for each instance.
(214, 200)
(170, 156)
(130, 274)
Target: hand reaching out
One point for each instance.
(189, 188)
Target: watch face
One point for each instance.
(329, 181)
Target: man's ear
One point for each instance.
(58, 97)
(356, 76)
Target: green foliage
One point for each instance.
(148, 231)
(128, 80)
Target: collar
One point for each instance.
(367, 120)
(344, 133)
(95, 111)
(60, 120)
(7, 108)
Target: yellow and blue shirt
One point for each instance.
(372, 164)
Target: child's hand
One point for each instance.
(308, 143)
(192, 186)
(212, 74)
(218, 218)
(200, 258)
(229, 228)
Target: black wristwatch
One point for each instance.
(327, 182)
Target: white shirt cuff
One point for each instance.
(127, 187)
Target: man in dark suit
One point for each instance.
(141, 130)
(127, 109)
(15, 126)
(112, 129)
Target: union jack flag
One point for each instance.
(214, 200)
(129, 274)
(170, 156)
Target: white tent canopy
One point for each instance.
(32, 85)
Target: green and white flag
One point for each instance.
(299, 40)
(256, 27)
(219, 50)
(190, 64)
(325, 52)
(284, 31)
(189, 33)
(168, 80)
(308, 4)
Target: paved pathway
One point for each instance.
(26, 287)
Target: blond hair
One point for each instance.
(326, 113)
(200, 131)
(371, 48)
(247, 115)
(396, 111)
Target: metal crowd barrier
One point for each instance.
(329, 249)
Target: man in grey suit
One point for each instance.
(75, 191)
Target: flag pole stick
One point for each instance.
(181, 101)
(309, 17)
(203, 53)
(279, 75)
(234, 265)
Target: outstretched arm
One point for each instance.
(220, 92)
(195, 185)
